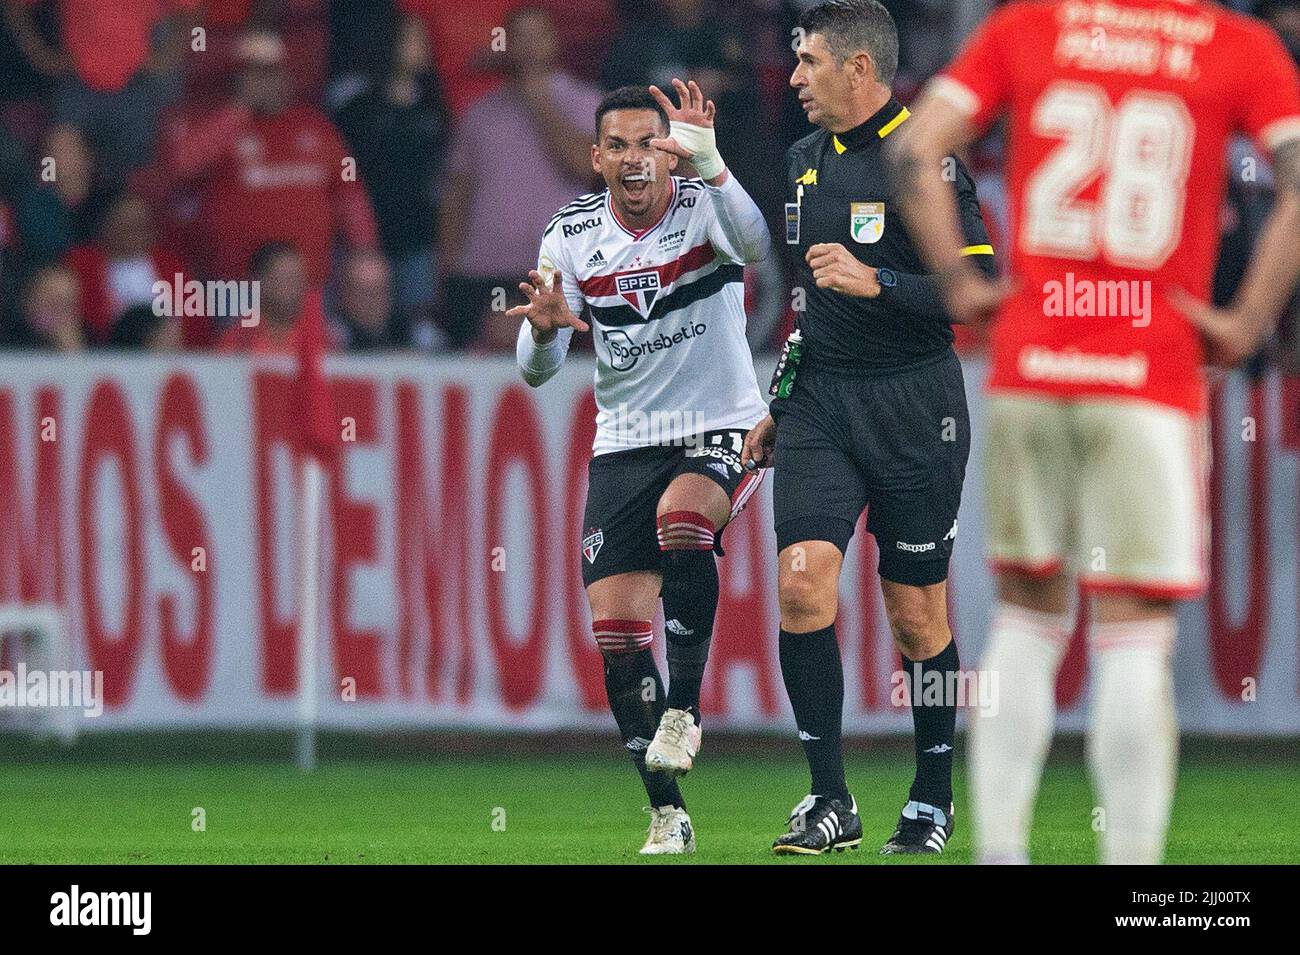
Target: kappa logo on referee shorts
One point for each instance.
(592, 543)
(916, 548)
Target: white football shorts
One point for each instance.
(1111, 491)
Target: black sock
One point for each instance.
(814, 679)
(690, 596)
(934, 716)
(636, 698)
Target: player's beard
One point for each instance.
(636, 194)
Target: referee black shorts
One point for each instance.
(896, 444)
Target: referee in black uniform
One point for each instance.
(870, 411)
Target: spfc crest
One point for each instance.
(866, 221)
(639, 290)
(591, 544)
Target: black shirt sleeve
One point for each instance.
(919, 294)
(972, 224)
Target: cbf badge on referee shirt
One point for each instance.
(866, 221)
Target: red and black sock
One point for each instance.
(636, 698)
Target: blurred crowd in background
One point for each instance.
(401, 156)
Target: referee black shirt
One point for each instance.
(837, 190)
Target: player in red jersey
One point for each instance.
(1120, 112)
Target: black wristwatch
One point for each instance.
(887, 278)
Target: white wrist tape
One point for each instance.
(702, 143)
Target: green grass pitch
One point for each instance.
(569, 807)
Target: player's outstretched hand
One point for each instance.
(1229, 336)
(836, 268)
(759, 449)
(691, 136)
(546, 310)
(694, 111)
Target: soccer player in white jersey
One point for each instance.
(657, 261)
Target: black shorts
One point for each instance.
(896, 444)
(623, 490)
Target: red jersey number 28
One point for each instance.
(1140, 150)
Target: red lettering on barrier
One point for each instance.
(356, 651)
(743, 630)
(588, 668)
(516, 439)
(109, 437)
(31, 558)
(433, 542)
(1073, 674)
(1236, 651)
(868, 584)
(272, 395)
(187, 658)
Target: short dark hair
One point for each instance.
(629, 97)
(137, 327)
(266, 254)
(853, 25)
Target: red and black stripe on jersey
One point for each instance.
(670, 273)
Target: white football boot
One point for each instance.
(676, 742)
(671, 833)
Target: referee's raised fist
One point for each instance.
(836, 268)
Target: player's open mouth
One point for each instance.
(636, 185)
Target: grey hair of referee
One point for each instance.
(848, 56)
